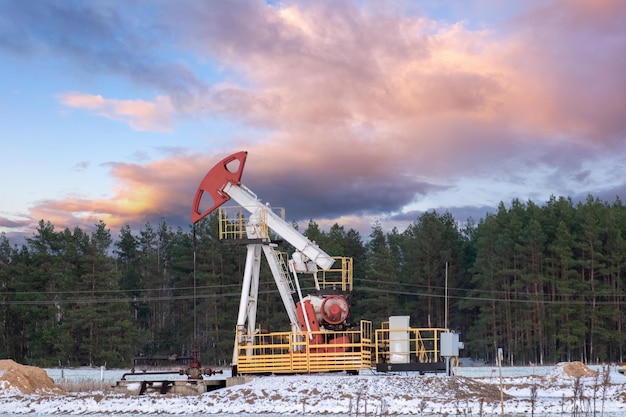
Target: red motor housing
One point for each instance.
(335, 309)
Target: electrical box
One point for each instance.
(399, 343)
(449, 344)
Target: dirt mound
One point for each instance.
(565, 372)
(578, 370)
(27, 379)
(468, 388)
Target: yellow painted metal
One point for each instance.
(340, 277)
(297, 352)
(423, 343)
(234, 224)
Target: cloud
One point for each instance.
(572, 73)
(165, 188)
(140, 114)
(81, 166)
(373, 109)
(97, 38)
(142, 193)
(292, 65)
(358, 109)
(6, 222)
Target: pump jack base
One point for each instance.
(176, 387)
(422, 368)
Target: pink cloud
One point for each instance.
(139, 114)
(142, 193)
(571, 70)
(325, 65)
(369, 95)
(367, 108)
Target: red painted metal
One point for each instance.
(341, 340)
(227, 170)
(313, 324)
(335, 309)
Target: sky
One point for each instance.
(352, 112)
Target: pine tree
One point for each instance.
(381, 271)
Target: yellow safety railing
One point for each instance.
(233, 226)
(234, 223)
(306, 352)
(351, 351)
(338, 278)
(417, 344)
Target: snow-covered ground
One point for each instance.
(475, 391)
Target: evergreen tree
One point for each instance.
(37, 296)
(431, 245)
(7, 272)
(376, 300)
(218, 275)
(130, 279)
(611, 337)
(97, 329)
(485, 335)
(545, 283)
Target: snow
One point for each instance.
(475, 391)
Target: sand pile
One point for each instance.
(578, 370)
(26, 379)
(573, 370)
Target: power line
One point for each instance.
(494, 299)
(214, 295)
(119, 291)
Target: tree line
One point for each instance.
(546, 283)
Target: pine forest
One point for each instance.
(544, 282)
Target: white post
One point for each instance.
(500, 357)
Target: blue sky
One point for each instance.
(353, 112)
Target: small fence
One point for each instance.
(350, 351)
(306, 352)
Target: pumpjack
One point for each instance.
(322, 337)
